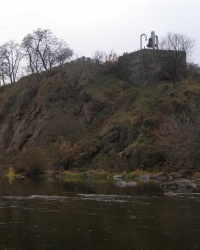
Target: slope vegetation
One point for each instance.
(83, 116)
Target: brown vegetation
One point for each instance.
(82, 116)
(34, 161)
(178, 137)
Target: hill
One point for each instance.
(83, 116)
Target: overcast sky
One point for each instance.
(90, 25)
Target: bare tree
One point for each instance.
(111, 57)
(30, 46)
(99, 56)
(111, 60)
(177, 42)
(10, 57)
(63, 54)
(175, 47)
(2, 72)
(43, 50)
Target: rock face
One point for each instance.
(87, 113)
(23, 129)
(84, 115)
(40, 109)
(76, 103)
(134, 155)
(109, 136)
(106, 131)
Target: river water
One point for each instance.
(54, 214)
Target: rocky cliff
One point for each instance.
(81, 115)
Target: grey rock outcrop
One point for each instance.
(179, 186)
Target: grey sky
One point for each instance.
(89, 25)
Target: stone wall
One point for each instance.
(146, 66)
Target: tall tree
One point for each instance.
(177, 42)
(43, 50)
(10, 57)
(174, 57)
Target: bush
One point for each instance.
(193, 71)
(34, 161)
(179, 139)
(65, 154)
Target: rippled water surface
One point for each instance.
(53, 214)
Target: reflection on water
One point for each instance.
(52, 214)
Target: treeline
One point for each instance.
(42, 50)
(37, 52)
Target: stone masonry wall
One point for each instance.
(144, 67)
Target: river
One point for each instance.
(40, 214)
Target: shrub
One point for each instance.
(34, 161)
(65, 154)
(179, 139)
(11, 174)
